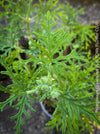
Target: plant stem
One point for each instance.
(28, 26)
(97, 69)
(30, 91)
(28, 18)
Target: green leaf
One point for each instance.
(30, 107)
(9, 100)
(68, 106)
(22, 110)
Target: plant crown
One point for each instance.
(68, 78)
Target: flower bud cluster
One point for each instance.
(47, 84)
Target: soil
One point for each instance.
(36, 125)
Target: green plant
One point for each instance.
(68, 78)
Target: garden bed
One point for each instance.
(36, 125)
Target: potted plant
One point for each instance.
(67, 78)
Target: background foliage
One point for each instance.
(69, 78)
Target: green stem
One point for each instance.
(28, 26)
(28, 18)
(30, 91)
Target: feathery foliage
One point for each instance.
(70, 78)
